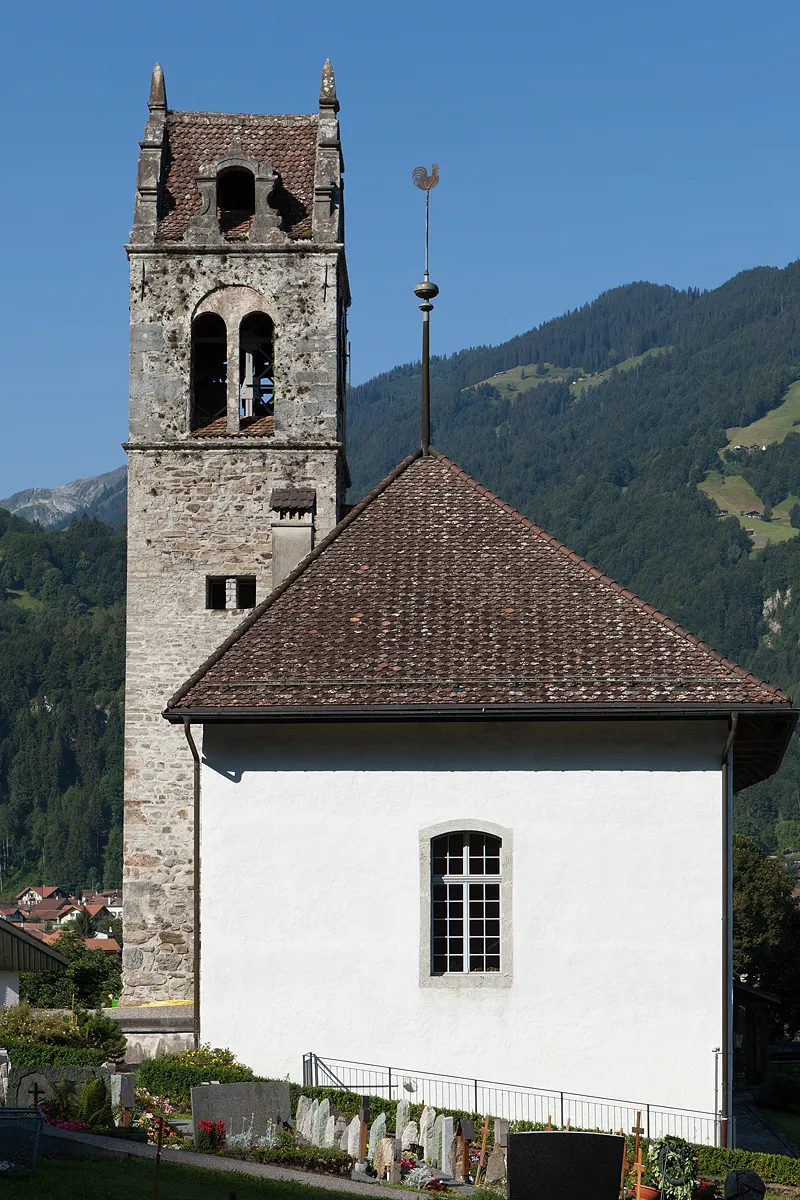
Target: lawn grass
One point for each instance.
(133, 1179)
(734, 493)
(511, 383)
(23, 599)
(770, 428)
(788, 1123)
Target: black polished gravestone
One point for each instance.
(587, 1166)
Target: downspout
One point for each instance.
(726, 1099)
(196, 880)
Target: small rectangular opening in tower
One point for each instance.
(246, 591)
(215, 591)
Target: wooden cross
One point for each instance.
(638, 1166)
(484, 1136)
(35, 1091)
(549, 1125)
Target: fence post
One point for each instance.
(648, 1122)
(476, 1096)
(390, 1081)
(562, 1110)
(316, 1071)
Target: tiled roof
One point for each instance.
(195, 139)
(249, 427)
(434, 592)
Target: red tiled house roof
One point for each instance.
(193, 139)
(434, 595)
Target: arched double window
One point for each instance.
(209, 370)
(466, 897)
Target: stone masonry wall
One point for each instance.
(199, 507)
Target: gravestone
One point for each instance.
(744, 1185)
(354, 1139)
(445, 1162)
(340, 1133)
(401, 1118)
(377, 1131)
(27, 1086)
(329, 1132)
(496, 1166)
(311, 1122)
(500, 1131)
(548, 1164)
(321, 1122)
(242, 1106)
(436, 1142)
(426, 1131)
(383, 1157)
(303, 1105)
(410, 1135)
(123, 1090)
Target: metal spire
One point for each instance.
(426, 291)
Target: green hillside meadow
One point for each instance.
(623, 428)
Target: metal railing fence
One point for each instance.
(516, 1102)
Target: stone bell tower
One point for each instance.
(238, 302)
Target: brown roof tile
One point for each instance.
(250, 427)
(193, 139)
(435, 592)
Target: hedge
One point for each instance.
(348, 1104)
(173, 1079)
(41, 1054)
(773, 1168)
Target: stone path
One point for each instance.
(61, 1143)
(755, 1132)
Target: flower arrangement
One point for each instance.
(151, 1113)
(210, 1136)
(424, 1179)
(673, 1162)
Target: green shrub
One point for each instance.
(349, 1105)
(94, 1105)
(81, 1030)
(32, 1054)
(322, 1159)
(780, 1091)
(773, 1168)
(174, 1075)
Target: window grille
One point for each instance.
(230, 591)
(465, 903)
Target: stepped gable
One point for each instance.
(194, 139)
(435, 593)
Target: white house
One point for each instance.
(487, 793)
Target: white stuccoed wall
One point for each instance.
(311, 912)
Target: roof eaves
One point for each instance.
(260, 609)
(594, 571)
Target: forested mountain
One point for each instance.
(62, 623)
(599, 425)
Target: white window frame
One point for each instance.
(466, 979)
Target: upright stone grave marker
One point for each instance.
(426, 1131)
(436, 1142)
(303, 1105)
(329, 1132)
(321, 1122)
(410, 1135)
(445, 1161)
(401, 1119)
(251, 1107)
(311, 1122)
(548, 1164)
(340, 1133)
(376, 1132)
(354, 1139)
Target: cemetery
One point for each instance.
(362, 1140)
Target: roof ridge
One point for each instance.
(254, 117)
(301, 567)
(595, 572)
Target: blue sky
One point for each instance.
(581, 146)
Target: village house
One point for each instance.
(488, 790)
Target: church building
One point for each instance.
(478, 795)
